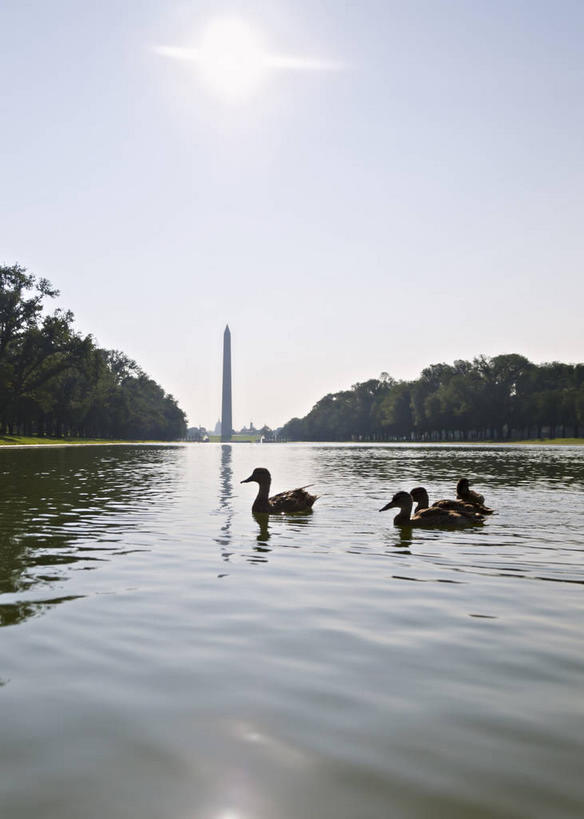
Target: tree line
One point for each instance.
(501, 398)
(54, 381)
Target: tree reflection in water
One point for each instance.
(69, 506)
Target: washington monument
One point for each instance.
(226, 419)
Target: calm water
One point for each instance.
(165, 657)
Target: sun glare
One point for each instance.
(232, 61)
(231, 58)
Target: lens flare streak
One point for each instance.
(267, 60)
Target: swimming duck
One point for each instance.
(420, 496)
(466, 494)
(434, 516)
(295, 500)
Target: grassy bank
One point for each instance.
(546, 441)
(532, 441)
(23, 440)
(241, 439)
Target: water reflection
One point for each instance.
(487, 467)
(225, 499)
(279, 525)
(406, 536)
(264, 533)
(58, 504)
(13, 613)
(261, 551)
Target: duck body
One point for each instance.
(466, 494)
(420, 497)
(294, 500)
(433, 516)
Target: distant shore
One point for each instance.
(530, 441)
(24, 441)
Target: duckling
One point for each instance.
(434, 516)
(466, 494)
(295, 500)
(420, 496)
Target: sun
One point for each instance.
(231, 58)
(232, 61)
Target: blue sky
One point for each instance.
(422, 204)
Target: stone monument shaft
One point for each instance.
(226, 419)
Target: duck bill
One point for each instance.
(389, 505)
(247, 480)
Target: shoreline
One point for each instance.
(23, 442)
(528, 442)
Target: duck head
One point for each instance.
(399, 500)
(463, 486)
(419, 495)
(259, 475)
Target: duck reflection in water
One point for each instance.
(406, 537)
(262, 519)
(261, 550)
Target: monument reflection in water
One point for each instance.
(225, 499)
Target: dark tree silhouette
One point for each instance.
(54, 381)
(497, 398)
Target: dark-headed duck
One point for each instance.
(434, 516)
(466, 494)
(420, 496)
(295, 500)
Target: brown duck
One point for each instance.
(466, 494)
(295, 500)
(433, 516)
(420, 496)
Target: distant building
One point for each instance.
(217, 430)
(251, 430)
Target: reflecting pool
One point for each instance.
(165, 655)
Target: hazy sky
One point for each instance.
(422, 203)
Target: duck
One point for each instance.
(420, 496)
(433, 516)
(466, 494)
(294, 500)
